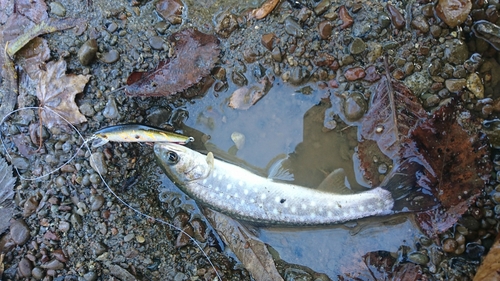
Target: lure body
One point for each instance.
(137, 133)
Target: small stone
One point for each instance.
(455, 85)
(354, 73)
(24, 268)
(63, 226)
(87, 51)
(345, 17)
(267, 40)
(325, 29)
(87, 109)
(322, 7)
(355, 107)
(475, 85)
(450, 245)
(357, 46)
(421, 24)
(293, 28)
(297, 75)
(276, 54)
(96, 202)
(238, 139)
(456, 51)
(20, 162)
(418, 258)
(397, 19)
(156, 42)
(90, 276)
(20, 232)
(111, 109)
(140, 239)
(431, 101)
(98, 163)
(112, 27)
(37, 273)
(110, 57)
(128, 237)
(453, 13)
(170, 10)
(57, 9)
(53, 264)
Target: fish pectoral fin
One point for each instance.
(335, 183)
(210, 160)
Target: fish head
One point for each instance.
(180, 163)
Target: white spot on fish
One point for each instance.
(294, 209)
(214, 174)
(240, 183)
(242, 201)
(361, 208)
(313, 215)
(304, 206)
(330, 214)
(275, 211)
(219, 177)
(277, 199)
(217, 189)
(285, 205)
(245, 191)
(205, 181)
(210, 186)
(252, 200)
(227, 196)
(313, 203)
(228, 186)
(263, 196)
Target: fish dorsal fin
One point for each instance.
(335, 183)
(210, 160)
(278, 169)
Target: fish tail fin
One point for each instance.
(401, 182)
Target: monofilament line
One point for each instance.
(85, 144)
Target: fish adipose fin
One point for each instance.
(335, 182)
(408, 196)
(210, 160)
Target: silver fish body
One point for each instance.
(246, 196)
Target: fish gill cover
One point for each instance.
(195, 55)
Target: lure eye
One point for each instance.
(172, 158)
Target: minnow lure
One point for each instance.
(137, 133)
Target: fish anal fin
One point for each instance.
(335, 183)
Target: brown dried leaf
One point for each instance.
(382, 266)
(248, 249)
(264, 10)
(35, 10)
(195, 55)
(393, 111)
(32, 56)
(57, 91)
(7, 182)
(490, 267)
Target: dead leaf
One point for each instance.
(246, 96)
(33, 56)
(7, 182)
(248, 249)
(195, 55)
(382, 266)
(264, 10)
(489, 270)
(57, 91)
(35, 10)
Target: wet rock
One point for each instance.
(19, 232)
(98, 163)
(53, 264)
(76, 221)
(293, 28)
(456, 51)
(354, 73)
(298, 75)
(60, 255)
(474, 250)
(475, 85)
(455, 85)
(90, 276)
(30, 206)
(325, 29)
(170, 10)
(111, 109)
(322, 7)
(453, 13)
(355, 107)
(156, 42)
(63, 226)
(487, 31)
(96, 202)
(57, 9)
(239, 78)
(384, 20)
(345, 17)
(25, 267)
(238, 139)
(110, 57)
(200, 229)
(371, 74)
(397, 19)
(87, 52)
(128, 237)
(357, 46)
(226, 24)
(421, 24)
(267, 40)
(87, 109)
(120, 273)
(20, 162)
(140, 239)
(37, 273)
(418, 258)
(435, 31)
(276, 54)
(418, 82)
(431, 100)
(450, 245)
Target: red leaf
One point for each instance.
(195, 55)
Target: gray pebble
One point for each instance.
(456, 51)
(111, 109)
(20, 162)
(418, 258)
(76, 221)
(455, 85)
(90, 276)
(297, 75)
(94, 178)
(357, 46)
(180, 276)
(63, 226)
(98, 163)
(431, 100)
(19, 232)
(418, 82)
(53, 264)
(120, 273)
(87, 109)
(293, 28)
(96, 202)
(24, 268)
(110, 57)
(276, 54)
(87, 52)
(156, 42)
(37, 273)
(355, 107)
(112, 27)
(57, 9)
(128, 237)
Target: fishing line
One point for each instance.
(86, 146)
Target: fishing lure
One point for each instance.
(137, 133)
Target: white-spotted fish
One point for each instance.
(246, 196)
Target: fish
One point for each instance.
(137, 133)
(246, 196)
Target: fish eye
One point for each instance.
(172, 158)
